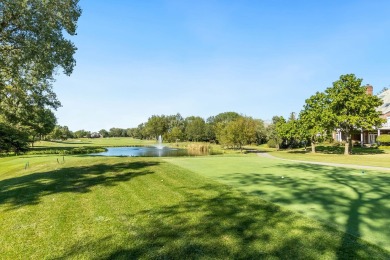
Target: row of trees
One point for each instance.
(33, 46)
(345, 107)
(229, 129)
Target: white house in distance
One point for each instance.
(369, 136)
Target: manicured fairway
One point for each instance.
(355, 201)
(138, 208)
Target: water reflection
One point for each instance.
(147, 152)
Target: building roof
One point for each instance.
(385, 96)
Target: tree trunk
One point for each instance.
(313, 147)
(348, 144)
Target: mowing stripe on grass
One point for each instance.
(107, 208)
(351, 201)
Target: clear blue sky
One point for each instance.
(260, 58)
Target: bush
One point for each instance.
(384, 139)
(272, 143)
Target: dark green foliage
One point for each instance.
(70, 150)
(195, 128)
(12, 139)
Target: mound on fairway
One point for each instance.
(85, 207)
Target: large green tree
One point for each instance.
(34, 44)
(275, 131)
(41, 123)
(195, 128)
(214, 123)
(156, 126)
(315, 119)
(238, 132)
(32, 40)
(351, 108)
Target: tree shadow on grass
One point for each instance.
(227, 225)
(29, 189)
(353, 200)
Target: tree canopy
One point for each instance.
(34, 44)
(314, 119)
(351, 108)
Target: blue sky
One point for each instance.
(258, 58)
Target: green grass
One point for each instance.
(142, 208)
(366, 156)
(102, 142)
(343, 197)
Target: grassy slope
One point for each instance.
(356, 203)
(87, 207)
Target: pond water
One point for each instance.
(145, 152)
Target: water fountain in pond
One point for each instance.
(159, 143)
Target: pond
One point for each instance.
(146, 152)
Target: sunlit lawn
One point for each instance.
(139, 208)
(353, 200)
(105, 142)
(363, 156)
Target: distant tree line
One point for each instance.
(229, 129)
(344, 107)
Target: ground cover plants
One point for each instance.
(93, 207)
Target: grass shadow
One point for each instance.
(228, 225)
(29, 189)
(346, 198)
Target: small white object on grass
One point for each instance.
(282, 177)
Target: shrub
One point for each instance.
(384, 139)
(272, 143)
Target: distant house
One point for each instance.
(96, 135)
(368, 136)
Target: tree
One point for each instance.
(12, 139)
(275, 131)
(261, 133)
(41, 123)
(156, 126)
(195, 128)
(81, 133)
(315, 119)
(32, 40)
(216, 124)
(351, 108)
(117, 132)
(174, 134)
(32, 47)
(61, 132)
(238, 132)
(288, 131)
(104, 133)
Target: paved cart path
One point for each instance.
(267, 155)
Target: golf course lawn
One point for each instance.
(141, 208)
(353, 200)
